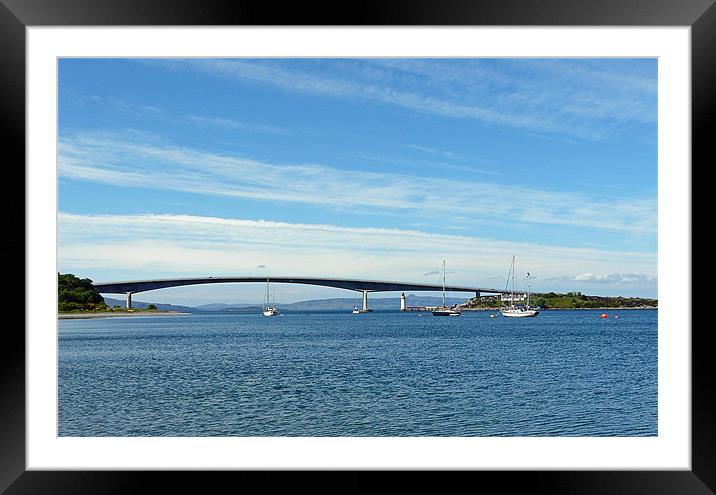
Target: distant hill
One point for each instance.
(334, 304)
(377, 303)
(216, 307)
(572, 300)
(142, 305)
(229, 308)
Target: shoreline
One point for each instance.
(113, 314)
(569, 309)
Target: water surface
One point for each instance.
(563, 373)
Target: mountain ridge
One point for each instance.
(337, 303)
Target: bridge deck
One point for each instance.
(349, 284)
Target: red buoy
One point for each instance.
(604, 315)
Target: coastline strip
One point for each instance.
(72, 316)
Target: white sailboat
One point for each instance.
(444, 310)
(514, 311)
(356, 311)
(269, 308)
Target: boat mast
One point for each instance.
(266, 298)
(443, 283)
(512, 298)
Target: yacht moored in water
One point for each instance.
(514, 311)
(269, 309)
(444, 310)
(356, 311)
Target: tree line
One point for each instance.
(78, 294)
(571, 300)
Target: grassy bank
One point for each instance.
(570, 300)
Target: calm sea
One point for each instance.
(563, 373)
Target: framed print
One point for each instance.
(357, 147)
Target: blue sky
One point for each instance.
(366, 168)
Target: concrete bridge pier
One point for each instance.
(365, 300)
(477, 294)
(129, 300)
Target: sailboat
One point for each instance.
(518, 311)
(444, 310)
(356, 311)
(269, 309)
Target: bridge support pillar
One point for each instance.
(129, 300)
(477, 294)
(365, 300)
(402, 301)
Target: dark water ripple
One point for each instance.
(564, 373)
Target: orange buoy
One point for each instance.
(604, 315)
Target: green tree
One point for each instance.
(74, 293)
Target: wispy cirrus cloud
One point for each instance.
(163, 115)
(107, 158)
(588, 102)
(235, 124)
(429, 164)
(434, 151)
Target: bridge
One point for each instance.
(363, 286)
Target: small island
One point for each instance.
(77, 298)
(570, 300)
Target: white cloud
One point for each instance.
(588, 99)
(434, 151)
(172, 245)
(108, 159)
(233, 124)
(614, 277)
(147, 111)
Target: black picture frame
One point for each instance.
(17, 15)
